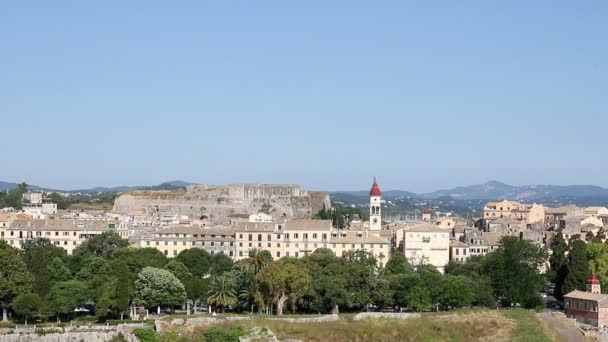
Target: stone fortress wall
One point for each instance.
(218, 203)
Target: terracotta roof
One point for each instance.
(597, 297)
(425, 228)
(77, 225)
(254, 226)
(308, 225)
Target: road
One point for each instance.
(563, 328)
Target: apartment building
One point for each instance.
(67, 234)
(173, 240)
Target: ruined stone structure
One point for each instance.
(218, 203)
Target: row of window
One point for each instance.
(193, 243)
(581, 305)
(306, 245)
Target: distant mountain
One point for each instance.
(495, 190)
(171, 185)
(352, 197)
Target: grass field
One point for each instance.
(471, 325)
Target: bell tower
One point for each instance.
(375, 210)
(593, 285)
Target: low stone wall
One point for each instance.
(320, 319)
(398, 315)
(69, 334)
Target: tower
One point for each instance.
(375, 216)
(593, 285)
(426, 215)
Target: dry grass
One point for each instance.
(155, 193)
(102, 206)
(483, 325)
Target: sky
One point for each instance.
(326, 94)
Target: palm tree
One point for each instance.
(258, 260)
(222, 292)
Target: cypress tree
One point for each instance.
(123, 289)
(558, 249)
(577, 268)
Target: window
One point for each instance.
(231, 253)
(212, 243)
(286, 236)
(278, 244)
(457, 251)
(297, 254)
(305, 236)
(166, 252)
(259, 237)
(174, 253)
(240, 244)
(278, 254)
(314, 235)
(157, 243)
(269, 245)
(166, 243)
(240, 236)
(250, 237)
(174, 243)
(184, 243)
(147, 243)
(222, 243)
(269, 237)
(286, 253)
(240, 253)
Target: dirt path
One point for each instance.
(564, 329)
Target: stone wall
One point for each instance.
(398, 315)
(217, 203)
(69, 334)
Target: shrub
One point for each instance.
(221, 335)
(145, 334)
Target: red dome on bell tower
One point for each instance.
(375, 191)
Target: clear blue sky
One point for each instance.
(327, 94)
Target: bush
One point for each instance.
(118, 338)
(220, 335)
(145, 334)
(10, 325)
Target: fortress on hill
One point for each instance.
(219, 203)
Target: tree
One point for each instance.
(49, 250)
(156, 287)
(329, 294)
(65, 296)
(179, 270)
(398, 264)
(27, 305)
(102, 245)
(258, 260)
(197, 260)
(220, 263)
(457, 292)
(284, 282)
(360, 269)
(123, 288)
(513, 270)
(418, 298)
(14, 277)
(597, 254)
(36, 254)
(58, 271)
(222, 292)
(577, 268)
(558, 251)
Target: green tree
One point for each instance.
(398, 264)
(558, 251)
(156, 287)
(14, 277)
(418, 298)
(27, 305)
(513, 270)
(102, 245)
(258, 260)
(123, 288)
(65, 296)
(49, 251)
(220, 263)
(197, 260)
(360, 270)
(58, 271)
(179, 270)
(222, 292)
(284, 282)
(457, 292)
(577, 268)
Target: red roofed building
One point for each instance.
(426, 215)
(589, 307)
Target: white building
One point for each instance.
(425, 243)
